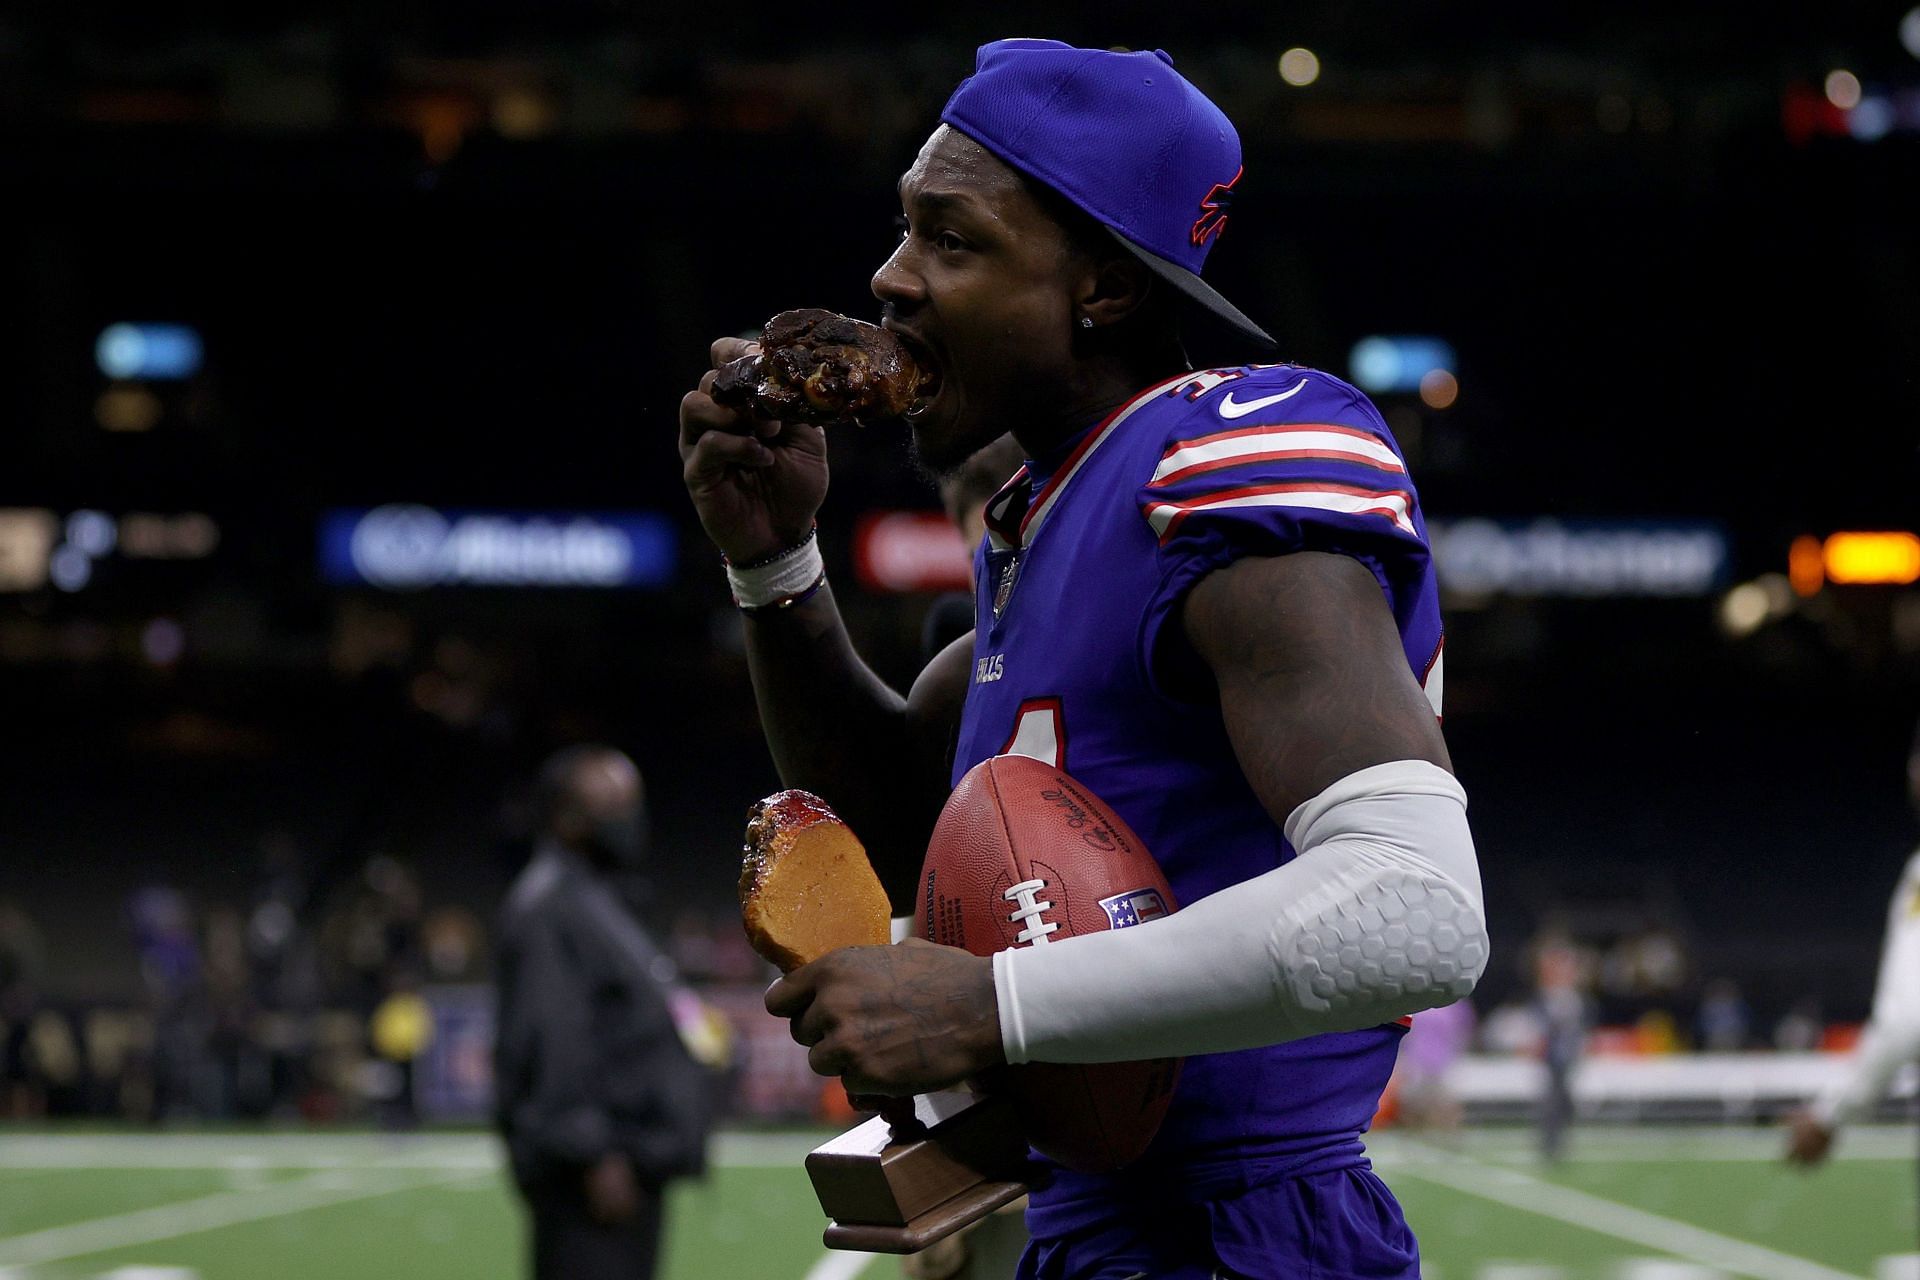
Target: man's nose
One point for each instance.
(896, 283)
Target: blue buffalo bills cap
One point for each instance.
(1124, 137)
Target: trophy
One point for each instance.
(896, 1185)
(928, 1165)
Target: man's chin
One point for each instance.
(940, 448)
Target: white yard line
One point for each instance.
(221, 1209)
(1654, 1144)
(1595, 1213)
(749, 1150)
(245, 1151)
(461, 1152)
(840, 1264)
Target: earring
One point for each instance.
(1086, 322)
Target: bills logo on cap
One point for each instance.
(1136, 906)
(1213, 210)
(1122, 136)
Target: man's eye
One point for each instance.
(900, 225)
(949, 241)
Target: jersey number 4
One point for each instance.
(1040, 725)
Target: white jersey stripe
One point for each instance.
(1276, 443)
(1164, 516)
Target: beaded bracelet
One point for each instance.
(813, 531)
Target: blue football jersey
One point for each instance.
(1079, 660)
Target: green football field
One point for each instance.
(1640, 1204)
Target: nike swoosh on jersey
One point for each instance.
(1231, 408)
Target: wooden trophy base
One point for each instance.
(889, 1194)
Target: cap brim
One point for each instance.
(1199, 292)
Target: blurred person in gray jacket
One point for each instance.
(599, 1100)
(1565, 1014)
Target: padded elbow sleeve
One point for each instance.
(1398, 924)
(1378, 916)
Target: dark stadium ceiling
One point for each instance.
(302, 64)
(1713, 31)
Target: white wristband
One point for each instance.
(780, 580)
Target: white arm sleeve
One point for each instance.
(1378, 916)
(1893, 1036)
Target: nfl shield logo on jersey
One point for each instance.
(1134, 907)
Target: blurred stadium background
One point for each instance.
(339, 355)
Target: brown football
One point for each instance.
(1024, 856)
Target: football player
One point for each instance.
(1208, 596)
(1892, 1035)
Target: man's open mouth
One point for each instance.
(931, 374)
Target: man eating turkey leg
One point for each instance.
(1208, 597)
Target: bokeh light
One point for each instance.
(127, 407)
(70, 568)
(1843, 89)
(1439, 388)
(1872, 120)
(1299, 67)
(162, 642)
(1806, 568)
(1743, 609)
(1873, 557)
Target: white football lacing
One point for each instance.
(1036, 929)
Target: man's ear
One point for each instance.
(1115, 288)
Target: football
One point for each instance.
(1024, 856)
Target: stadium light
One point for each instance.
(1439, 388)
(153, 351)
(1397, 363)
(1751, 605)
(1871, 120)
(127, 408)
(1743, 609)
(1299, 67)
(1806, 569)
(1872, 558)
(1843, 89)
(69, 567)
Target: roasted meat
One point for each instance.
(816, 366)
